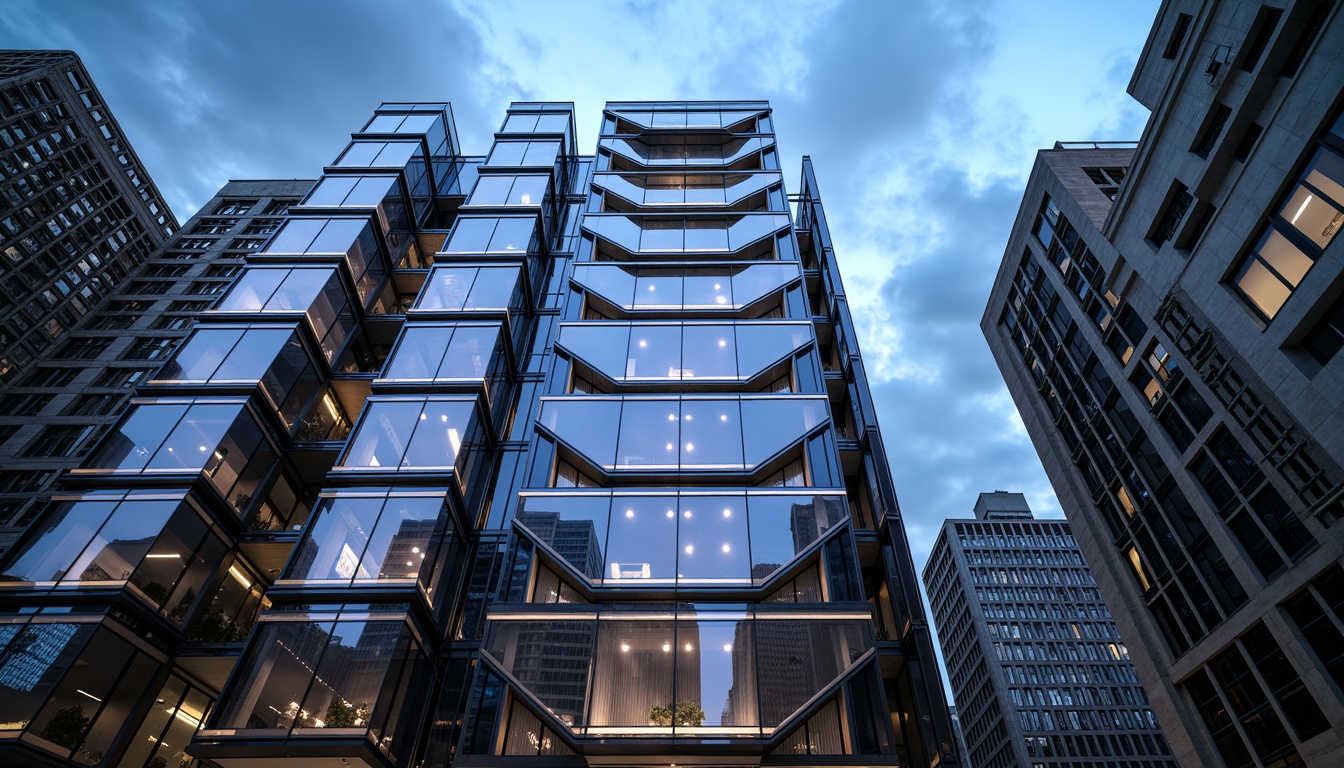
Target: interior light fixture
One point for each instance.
(625, 647)
(723, 343)
(667, 647)
(1302, 208)
(643, 343)
(670, 513)
(86, 693)
(689, 647)
(726, 549)
(727, 647)
(629, 513)
(727, 513)
(690, 549)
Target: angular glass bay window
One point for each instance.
(629, 352)
(67, 683)
(429, 434)
(216, 437)
(705, 433)
(645, 539)
(163, 735)
(659, 234)
(531, 122)
(509, 189)
(406, 155)
(523, 154)
(473, 288)
(698, 189)
(493, 234)
(160, 544)
(315, 291)
(675, 151)
(372, 538)
(731, 119)
(352, 676)
(698, 287)
(695, 673)
(354, 239)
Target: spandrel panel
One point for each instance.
(642, 540)
(574, 526)
(712, 540)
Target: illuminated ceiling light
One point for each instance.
(670, 513)
(716, 286)
(443, 417)
(690, 446)
(671, 417)
(687, 417)
(202, 447)
(720, 300)
(690, 549)
(670, 446)
(727, 513)
(415, 549)
(723, 417)
(629, 513)
(1305, 203)
(723, 343)
(163, 557)
(86, 693)
(726, 549)
(625, 647)
(667, 647)
(651, 288)
(422, 417)
(240, 577)
(687, 514)
(643, 343)
(689, 647)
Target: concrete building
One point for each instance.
(1167, 317)
(52, 415)
(530, 458)
(1038, 669)
(78, 212)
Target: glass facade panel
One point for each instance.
(633, 676)
(654, 352)
(589, 426)
(711, 435)
(574, 526)
(48, 555)
(641, 545)
(784, 526)
(649, 434)
(138, 436)
(712, 540)
(383, 434)
(419, 353)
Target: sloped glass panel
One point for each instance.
(796, 659)
(748, 229)
(534, 652)
(601, 345)
(769, 425)
(783, 526)
(574, 526)
(760, 345)
(588, 426)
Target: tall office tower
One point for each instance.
(78, 212)
(534, 458)
(1168, 319)
(1037, 666)
(52, 415)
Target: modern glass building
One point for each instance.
(535, 458)
(1168, 319)
(1037, 666)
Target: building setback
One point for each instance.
(1037, 666)
(535, 458)
(73, 392)
(1168, 319)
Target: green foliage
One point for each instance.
(342, 715)
(66, 727)
(686, 713)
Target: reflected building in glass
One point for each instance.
(530, 458)
(1169, 317)
(1037, 666)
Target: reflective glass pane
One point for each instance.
(66, 530)
(201, 355)
(513, 235)
(520, 124)
(494, 288)
(654, 352)
(447, 288)
(33, 664)
(299, 290)
(273, 677)
(586, 425)
(552, 123)
(340, 235)
(615, 284)
(662, 234)
(761, 345)
(471, 235)
(1284, 257)
(541, 153)
(507, 153)
(339, 535)
(124, 540)
(383, 434)
(720, 672)
(371, 190)
(251, 357)
(491, 190)
(73, 706)
(1312, 215)
(169, 556)
(1263, 288)
(796, 659)
(528, 190)
(438, 437)
(782, 527)
(139, 436)
(400, 542)
(658, 288)
(574, 526)
(706, 234)
(253, 287)
(749, 229)
(192, 444)
(708, 352)
(632, 677)
(621, 230)
(347, 681)
(711, 434)
(419, 353)
(600, 345)
(712, 540)
(1326, 174)
(517, 645)
(649, 434)
(758, 280)
(470, 352)
(295, 235)
(707, 291)
(771, 425)
(642, 541)
(361, 153)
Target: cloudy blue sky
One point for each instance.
(922, 118)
